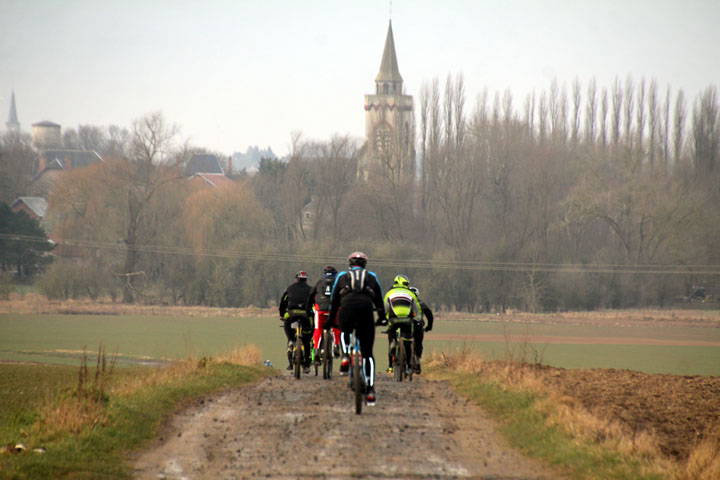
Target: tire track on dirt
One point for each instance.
(284, 428)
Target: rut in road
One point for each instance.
(287, 428)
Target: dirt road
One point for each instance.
(288, 428)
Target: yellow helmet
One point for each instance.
(401, 281)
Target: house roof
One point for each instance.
(213, 179)
(38, 205)
(203, 163)
(389, 70)
(78, 158)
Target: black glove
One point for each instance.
(427, 329)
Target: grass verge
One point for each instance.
(534, 423)
(81, 437)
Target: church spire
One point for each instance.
(12, 123)
(389, 80)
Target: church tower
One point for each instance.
(12, 124)
(389, 120)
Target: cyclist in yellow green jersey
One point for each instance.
(402, 308)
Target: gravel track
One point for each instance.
(285, 428)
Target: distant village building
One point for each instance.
(205, 170)
(46, 135)
(389, 120)
(53, 163)
(35, 207)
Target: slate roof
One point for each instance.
(203, 163)
(78, 158)
(38, 205)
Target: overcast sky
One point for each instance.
(236, 73)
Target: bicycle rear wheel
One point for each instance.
(298, 356)
(327, 357)
(357, 382)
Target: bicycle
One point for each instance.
(403, 367)
(324, 356)
(298, 349)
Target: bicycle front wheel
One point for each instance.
(327, 358)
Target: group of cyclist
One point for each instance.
(346, 302)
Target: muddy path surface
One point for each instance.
(307, 428)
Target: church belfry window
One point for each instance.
(385, 88)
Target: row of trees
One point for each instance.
(596, 198)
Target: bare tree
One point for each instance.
(628, 109)
(679, 126)
(617, 101)
(665, 132)
(459, 114)
(530, 115)
(640, 119)
(576, 106)
(591, 112)
(706, 131)
(148, 170)
(604, 117)
(542, 117)
(652, 121)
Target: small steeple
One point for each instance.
(389, 80)
(12, 123)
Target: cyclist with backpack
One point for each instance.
(404, 314)
(319, 301)
(293, 307)
(421, 328)
(356, 293)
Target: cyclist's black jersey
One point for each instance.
(343, 296)
(294, 298)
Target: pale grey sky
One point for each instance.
(238, 73)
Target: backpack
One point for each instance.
(322, 297)
(358, 283)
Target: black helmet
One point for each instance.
(302, 274)
(329, 271)
(357, 259)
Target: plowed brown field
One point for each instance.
(678, 410)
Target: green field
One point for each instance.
(140, 339)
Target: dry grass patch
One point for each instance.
(84, 406)
(704, 461)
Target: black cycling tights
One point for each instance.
(360, 317)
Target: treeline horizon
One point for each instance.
(584, 198)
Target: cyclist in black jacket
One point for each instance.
(356, 294)
(293, 307)
(421, 328)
